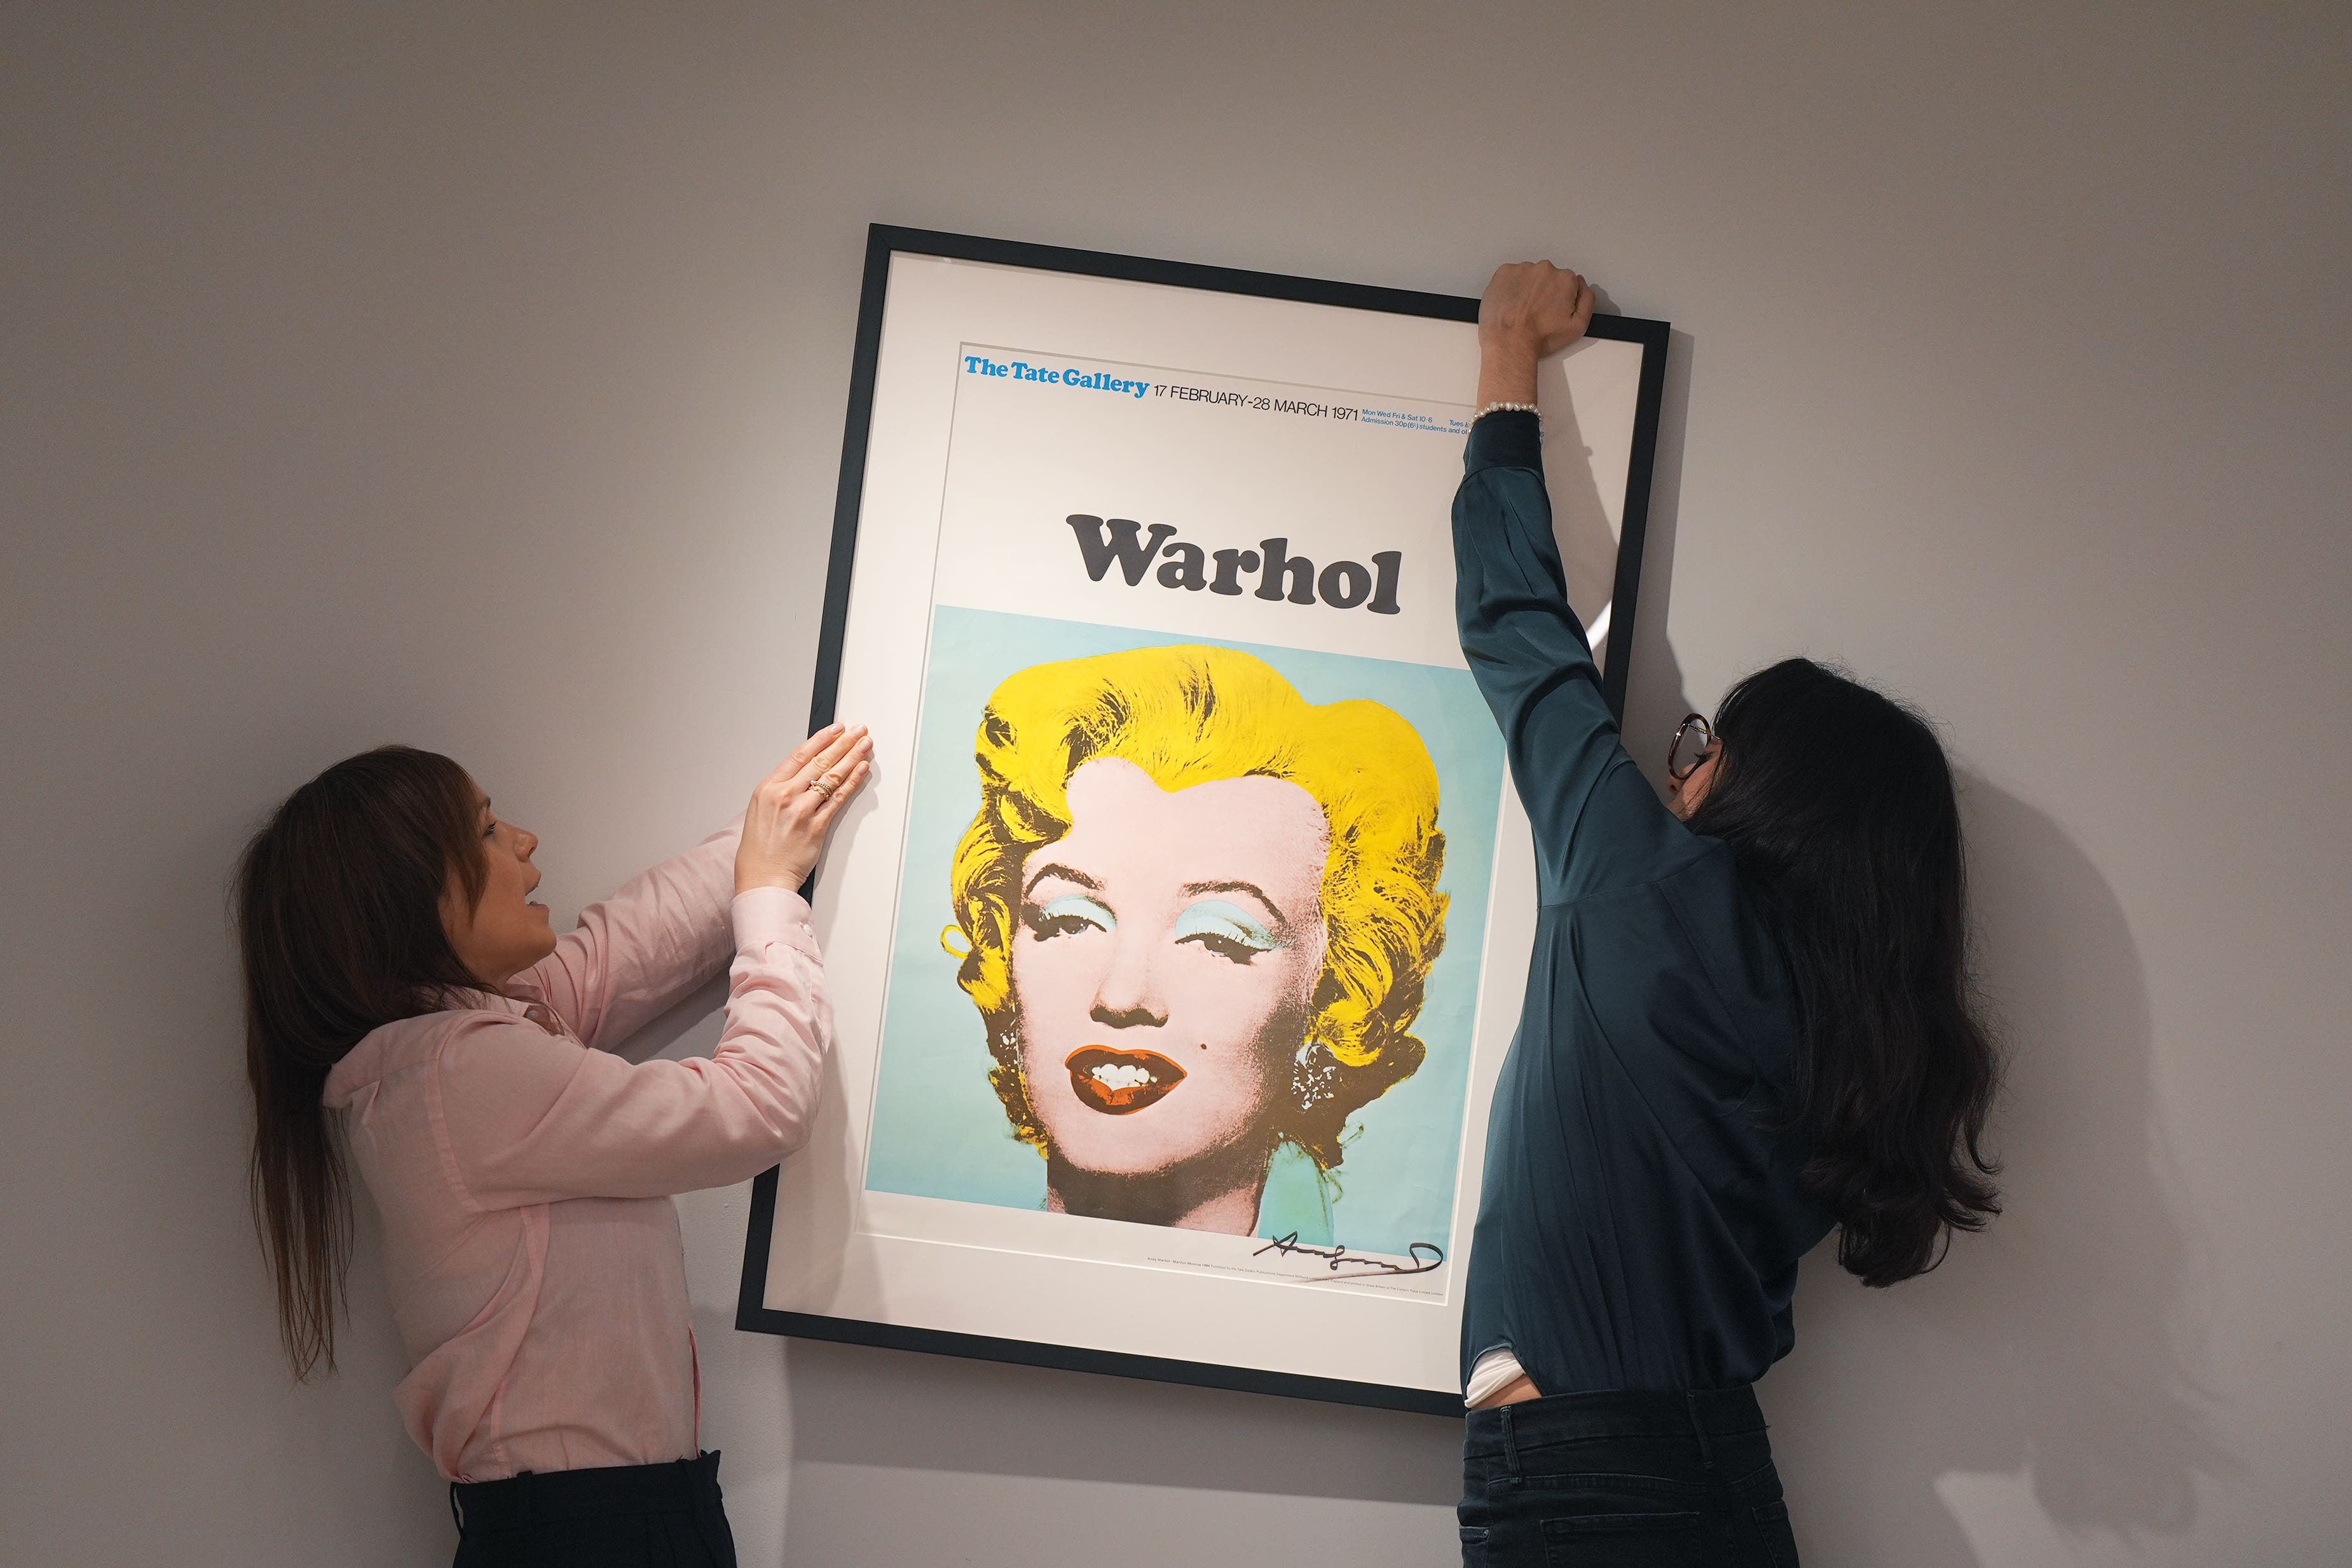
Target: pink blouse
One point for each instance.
(524, 1174)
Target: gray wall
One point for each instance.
(474, 376)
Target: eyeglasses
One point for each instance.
(1694, 742)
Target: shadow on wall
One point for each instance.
(2056, 1347)
(1588, 549)
(898, 1409)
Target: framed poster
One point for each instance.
(1177, 941)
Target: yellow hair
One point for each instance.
(1192, 715)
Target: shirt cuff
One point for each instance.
(766, 916)
(1511, 439)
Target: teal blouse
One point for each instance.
(1641, 1221)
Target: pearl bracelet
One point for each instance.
(1505, 408)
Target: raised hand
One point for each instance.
(1530, 310)
(793, 810)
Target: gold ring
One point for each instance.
(819, 787)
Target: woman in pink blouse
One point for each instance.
(409, 1013)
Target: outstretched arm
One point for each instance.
(525, 1116)
(528, 1117)
(1595, 820)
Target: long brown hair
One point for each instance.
(1839, 803)
(338, 903)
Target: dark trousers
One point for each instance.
(626, 1516)
(1629, 1478)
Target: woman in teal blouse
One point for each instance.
(1746, 1024)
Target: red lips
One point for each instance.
(1117, 1083)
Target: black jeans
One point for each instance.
(626, 1516)
(1629, 1478)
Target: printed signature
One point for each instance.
(1425, 1256)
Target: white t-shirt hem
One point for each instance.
(1492, 1373)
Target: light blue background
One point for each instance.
(939, 1130)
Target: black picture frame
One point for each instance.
(884, 241)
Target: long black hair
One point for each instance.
(1839, 804)
(339, 925)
